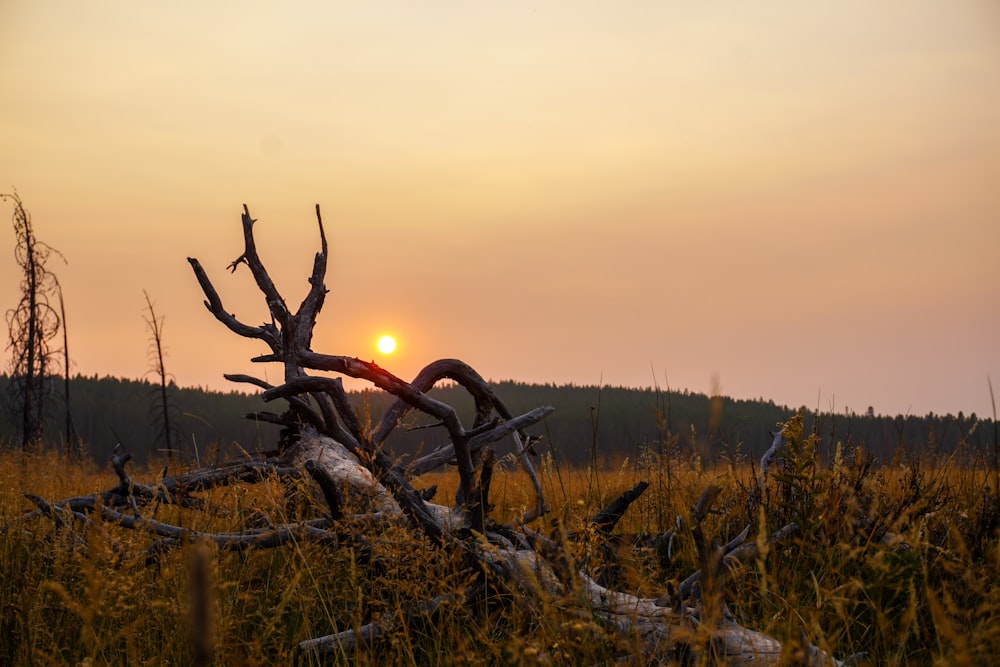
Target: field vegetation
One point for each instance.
(897, 560)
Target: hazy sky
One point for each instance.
(799, 199)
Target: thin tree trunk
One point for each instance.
(73, 444)
(32, 324)
(28, 433)
(156, 329)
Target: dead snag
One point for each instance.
(358, 461)
(357, 474)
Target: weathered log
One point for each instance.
(388, 490)
(661, 629)
(346, 471)
(353, 470)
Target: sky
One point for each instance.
(783, 200)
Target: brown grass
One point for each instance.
(927, 594)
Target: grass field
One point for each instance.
(899, 561)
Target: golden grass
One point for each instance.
(926, 596)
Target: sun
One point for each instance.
(386, 344)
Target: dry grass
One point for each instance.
(927, 594)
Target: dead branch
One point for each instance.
(174, 489)
(606, 520)
(344, 454)
(767, 458)
(250, 539)
(355, 471)
(489, 433)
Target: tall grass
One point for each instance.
(900, 562)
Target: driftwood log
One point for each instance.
(323, 440)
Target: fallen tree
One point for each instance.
(324, 441)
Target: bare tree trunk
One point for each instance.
(32, 325)
(155, 325)
(31, 427)
(74, 446)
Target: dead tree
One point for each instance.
(324, 440)
(74, 444)
(33, 324)
(155, 354)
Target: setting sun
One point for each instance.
(386, 344)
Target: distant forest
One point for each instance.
(603, 424)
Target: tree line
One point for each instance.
(591, 425)
(604, 426)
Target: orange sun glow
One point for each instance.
(386, 344)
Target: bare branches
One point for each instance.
(485, 398)
(765, 461)
(266, 332)
(156, 354)
(351, 463)
(385, 380)
(289, 337)
(32, 325)
(539, 508)
(175, 489)
(265, 538)
(491, 432)
(275, 302)
(313, 303)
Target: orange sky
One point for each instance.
(801, 201)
